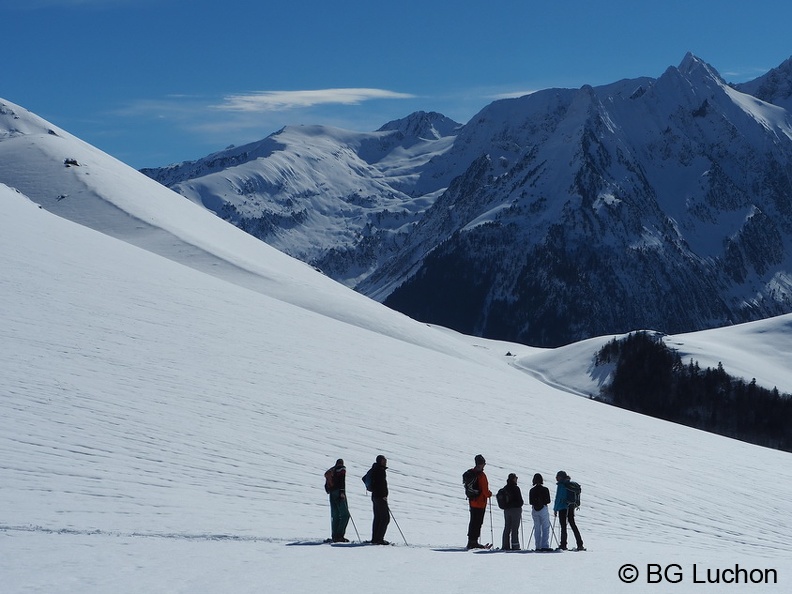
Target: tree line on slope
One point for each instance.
(651, 379)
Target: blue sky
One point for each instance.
(154, 82)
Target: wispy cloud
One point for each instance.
(510, 95)
(241, 118)
(284, 100)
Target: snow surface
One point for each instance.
(173, 391)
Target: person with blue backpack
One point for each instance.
(376, 482)
(566, 501)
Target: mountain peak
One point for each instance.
(689, 62)
(421, 124)
(692, 64)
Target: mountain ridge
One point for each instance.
(568, 213)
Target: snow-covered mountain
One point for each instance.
(663, 204)
(173, 390)
(568, 213)
(339, 200)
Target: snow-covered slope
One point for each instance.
(102, 193)
(152, 410)
(165, 423)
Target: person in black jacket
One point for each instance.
(512, 515)
(379, 499)
(539, 498)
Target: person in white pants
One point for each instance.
(539, 498)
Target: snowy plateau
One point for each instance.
(173, 390)
(660, 203)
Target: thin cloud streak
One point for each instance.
(285, 100)
(200, 118)
(510, 95)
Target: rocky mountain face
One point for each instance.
(650, 203)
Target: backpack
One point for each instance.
(503, 497)
(367, 479)
(470, 480)
(329, 479)
(573, 493)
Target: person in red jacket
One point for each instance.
(478, 504)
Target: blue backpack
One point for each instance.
(367, 479)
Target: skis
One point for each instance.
(311, 543)
(512, 551)
(526, 551)
(306, 543)
(491, 550)
(365, 543)
(576, 550)
(484, 547)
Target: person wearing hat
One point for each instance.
(335, 485)
(539, 498)
(478, 504)
(565, 511)
(512, 514)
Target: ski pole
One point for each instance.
(397, 525)
(555, 538)
(528, 546)
(492, 531)
(355, 527)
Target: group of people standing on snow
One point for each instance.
(510, 499)
(479, 496)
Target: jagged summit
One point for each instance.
(426, 125)
(692, 63)
(692, 79)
